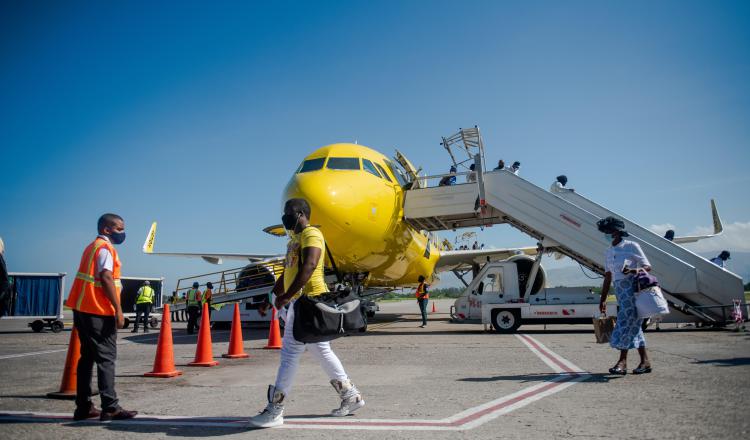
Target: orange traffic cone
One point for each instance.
(433, 307)
(203, 354)
(274, 335)
(236, 350)
(164, 360)
(70, 374)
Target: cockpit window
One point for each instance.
(396, 172)
(370, 168)
(343, 163)
(382, 171)
(311, 165)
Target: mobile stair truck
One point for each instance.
(34, 299)
(696, 289)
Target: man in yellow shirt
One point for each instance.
(303, 275)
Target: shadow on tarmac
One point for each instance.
(181, 337)
(729, 362)
(543, 377)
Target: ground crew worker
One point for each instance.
(97, 314)
(423, 298)
(303, 275)
(193, 304)
(144, 300)
(172, 302)
(208, 294)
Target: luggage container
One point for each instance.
(130, 286)
(36, 298)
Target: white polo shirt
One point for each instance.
(104, 259)
(624, 250)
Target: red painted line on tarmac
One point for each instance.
(546, 354)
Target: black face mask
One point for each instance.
(290, 221)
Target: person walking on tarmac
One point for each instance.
(303, 275)
(97, 314)
(423, 298)
(208, 294)
(143, 302)
(193, 303)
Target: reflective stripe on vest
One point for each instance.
(87, 293)
(145, 295)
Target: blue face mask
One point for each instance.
(609, 237)
(117, 237)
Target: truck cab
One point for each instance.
(499, 295)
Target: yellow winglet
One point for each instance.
(276, 230)
(148, 245)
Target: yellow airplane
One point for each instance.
(356, 195)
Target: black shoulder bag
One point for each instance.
(328, 316)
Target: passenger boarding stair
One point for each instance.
(566, 223)
(253, 280)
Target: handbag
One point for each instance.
(649, 300)
(326, 317)
(603, 328)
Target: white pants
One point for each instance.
(291, 351)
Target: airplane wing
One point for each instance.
(718, 228)
(210, 257)
(464, 259)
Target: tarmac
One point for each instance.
(444, 381)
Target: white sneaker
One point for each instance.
(351, 398)
(273, 414)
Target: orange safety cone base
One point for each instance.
(204, 364)
(170, 374)
(235, 356)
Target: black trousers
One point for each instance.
(142, 309)
(98, 336)
(192, 324)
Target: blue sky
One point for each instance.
(196, 115)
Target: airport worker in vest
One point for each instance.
(721, 258)
(303, 275)
(97, 314)
(423, 297)
(208, 295)
(559, 185)
(621, 262)
(193, 302)
(144, 300)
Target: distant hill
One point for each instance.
(573, 276)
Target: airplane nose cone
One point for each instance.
(331, 202)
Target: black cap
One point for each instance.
(611, 224)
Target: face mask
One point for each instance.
(609, 237)
(289, 221)
(117, 237)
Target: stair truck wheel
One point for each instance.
(154, 322)
(57, 326)
(37, 326)
(506, 320)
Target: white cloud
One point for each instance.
(736, 237)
